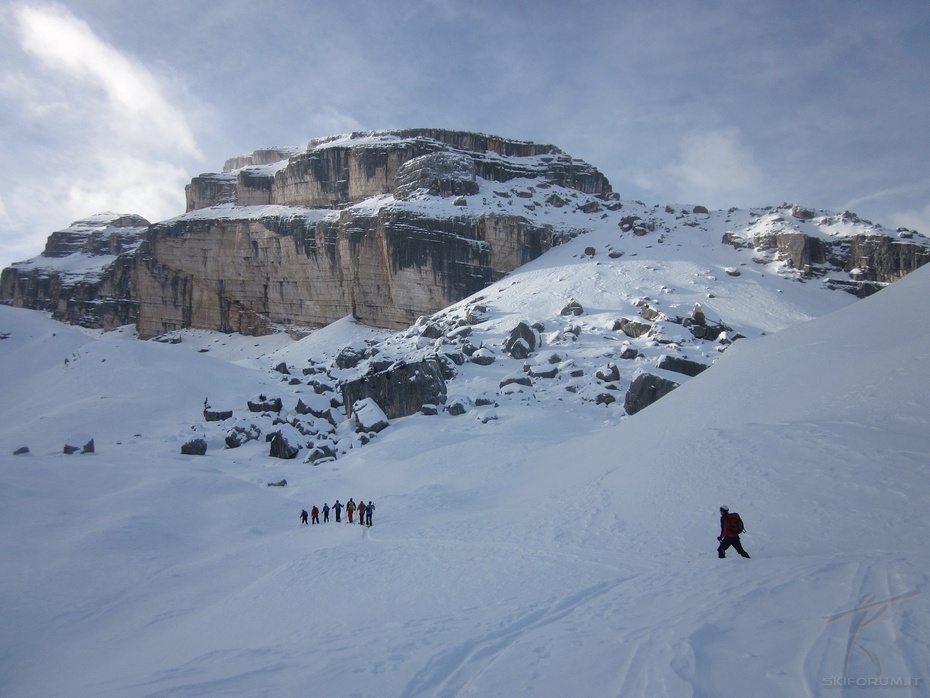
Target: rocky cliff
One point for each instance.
(389, 226)
(84, 274)
(384, 226)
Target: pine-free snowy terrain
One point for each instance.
(546, 546)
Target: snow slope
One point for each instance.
(557, 550)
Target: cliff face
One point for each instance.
(385, 226)
(389, 226)
(83, 276)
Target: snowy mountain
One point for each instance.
(388, 226)
(541, 542)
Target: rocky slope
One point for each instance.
(390, 226)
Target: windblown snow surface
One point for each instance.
(558, 549)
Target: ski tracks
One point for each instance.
(453, 672)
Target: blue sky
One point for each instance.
(116, 105)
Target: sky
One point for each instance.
(108, 106)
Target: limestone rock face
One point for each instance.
(83, 275)
(361, 225)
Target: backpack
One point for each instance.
(736, 524)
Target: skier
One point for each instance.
(731, 525)
(315, 514)
(337, 507)
(325, 513)
(303, 515)
(350, 509)
(368, 511)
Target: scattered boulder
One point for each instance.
(697, 315)
(320, 454)
(631, 327)
(645, 389)
(483, 357)
(195, 446)
(572, 309)
(349, 357)
(279, 483)
(240, 434)
(369, 417)
(516, 378)
(68, 449)
(88, 447)
(608, 373)
(210, 415)
(262, 403)
(605, 399)
(21, 451)
(431, 331)
(400, 390)
(680, 365)
(629, 352)
(282, 448)
(522, 342)
(458, 406)
(540, 372)
(282, 369)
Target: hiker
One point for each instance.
(325, 513)
(731, 525)
(315, 514)
(350, 509)
(361, 512)
(337, 507)
(368, 510)
(303, 515)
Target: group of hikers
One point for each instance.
(364, 512)
(731, 525)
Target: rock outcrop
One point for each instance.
(84, 274)
(389, 226)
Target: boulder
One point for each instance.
(572, 309)
(281, 447)
(458, 406)
(632, 328)
(482, 357)
(369, 417)
(263, 403)
(516, 378)
(400, 390)
(21, 451)
(645, 389)
(279, 483)
(608, 373)
(241, 434)
(522, 341)
(680, 365)
(195, 446)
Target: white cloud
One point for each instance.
(88, 127)
(135, 104)
(716, 168)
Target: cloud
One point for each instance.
(89, 128)
(135, 104)
(715, 167)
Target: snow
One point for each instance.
(541, 546)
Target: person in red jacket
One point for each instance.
(315, 515)
(731, 525)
